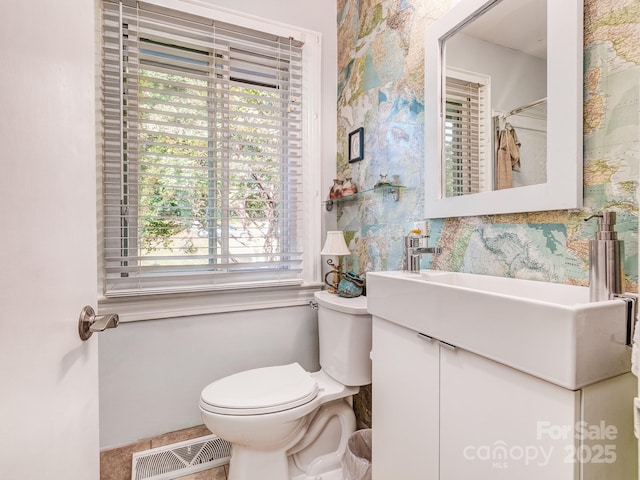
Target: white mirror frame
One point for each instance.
(563, 189)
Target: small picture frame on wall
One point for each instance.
(356, 145)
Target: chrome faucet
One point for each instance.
(413, 250)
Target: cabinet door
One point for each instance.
(498, 423)
(405, 404)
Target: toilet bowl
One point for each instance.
(286, 423)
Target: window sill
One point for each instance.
(154, 307)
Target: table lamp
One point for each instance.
(336, 246)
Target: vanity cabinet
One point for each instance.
(441, 412)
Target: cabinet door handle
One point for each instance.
(447, 345)
(422, 336)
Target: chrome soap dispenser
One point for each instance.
(606, 272)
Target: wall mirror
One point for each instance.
(503, 108)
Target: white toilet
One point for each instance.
(286, 423)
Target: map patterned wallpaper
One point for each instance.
(380, 88)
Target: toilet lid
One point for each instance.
(259, 391)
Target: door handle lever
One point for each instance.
(89, 322)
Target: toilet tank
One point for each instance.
(344, 330)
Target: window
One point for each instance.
(203, 164)
(466, 134)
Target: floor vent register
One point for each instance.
(179, 459)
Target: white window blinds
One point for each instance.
(202, 177)
(466, 135)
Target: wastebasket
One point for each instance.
(356, 462)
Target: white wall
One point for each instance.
(152, 372)
(516, 78)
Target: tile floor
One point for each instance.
(115, 464)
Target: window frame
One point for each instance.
(202, 301)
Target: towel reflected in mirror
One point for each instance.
(508, 158)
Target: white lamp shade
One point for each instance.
(335, 244)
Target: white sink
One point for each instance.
(545, 329)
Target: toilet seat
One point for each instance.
(260, 391)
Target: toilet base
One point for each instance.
(333, 475)
(316, 456)
(321, 449)
(247, 463)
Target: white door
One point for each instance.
(48, 376)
